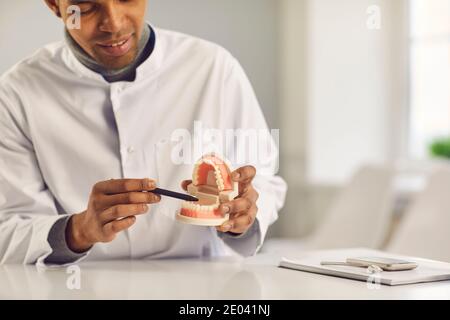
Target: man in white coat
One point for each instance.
(86, 133)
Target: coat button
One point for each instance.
(130, 150)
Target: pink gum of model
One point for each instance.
(212, 185)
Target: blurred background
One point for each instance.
(360, 90)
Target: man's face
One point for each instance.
(110, 29)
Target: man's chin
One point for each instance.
(115, 63)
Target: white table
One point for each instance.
(253, 278)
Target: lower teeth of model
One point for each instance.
(199, 207)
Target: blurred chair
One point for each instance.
(361, 215)
(425, 229)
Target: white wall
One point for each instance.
(293, 77)
(343, 102)
(24, 27)
(245, 27)
(352, 73)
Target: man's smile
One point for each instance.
(117, 48)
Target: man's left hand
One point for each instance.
(243, 209)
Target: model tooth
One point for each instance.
(219, 180)
(195, 176)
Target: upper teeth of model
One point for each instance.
(219, 179)
(117, 44)
(217, 174)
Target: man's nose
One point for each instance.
(112, 20)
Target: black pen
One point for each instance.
(173, 194)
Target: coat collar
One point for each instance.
(148, 69)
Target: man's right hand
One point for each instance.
(113, 207)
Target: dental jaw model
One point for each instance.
(212, 185)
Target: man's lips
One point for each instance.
(116, 48)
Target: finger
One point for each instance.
(122, 211)
(106, 201)
(228, 225)
(235, 206)
(185, 184)
(240, 223)
(251, 194)
(111, 229)
(244, 174)
(124, 186)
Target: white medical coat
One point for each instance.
(63, 128)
